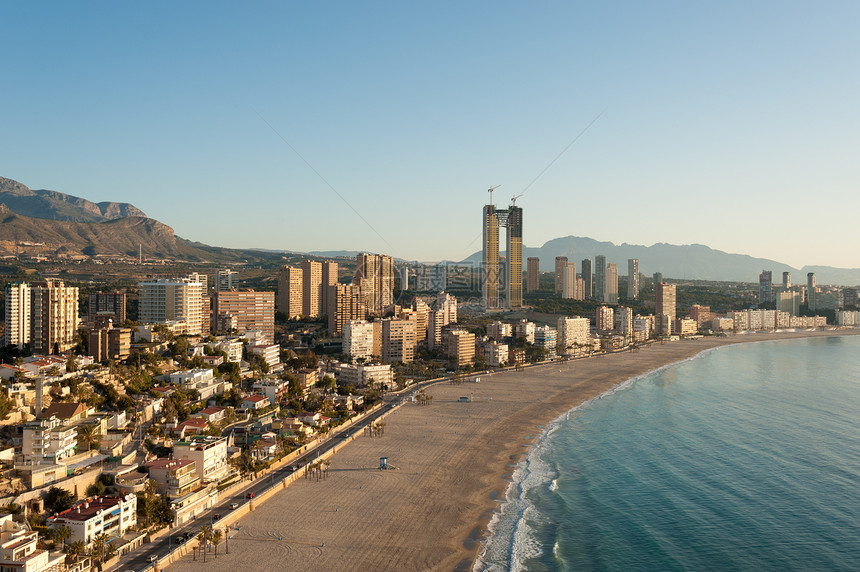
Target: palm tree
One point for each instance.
(88, 434)
(63, 533)
(75, 548)
(99, 549)
(216, 540)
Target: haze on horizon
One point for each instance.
(730, 125)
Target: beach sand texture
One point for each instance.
(452, 463)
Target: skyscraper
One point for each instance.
(104, 306)
(515, 257)
(374, 274)
(664, 307)
(560, 269)
(17, 314)
(226, 279)
(632, 278)
(569, 285)
(786, 280)
(587, 278)
(54, 316)
(490, 269)
(247, 309)
(171, 299)
(329, 278)
(290, 291)
(765, 287)
(600, 277)
(658, 278)
(610, 292)
(810, 290)
(311, 288)
(533, 274)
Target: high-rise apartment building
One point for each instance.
(173, 300)
(374, 274)
(358, 342)
(788, 301)
(786, 280)
(600, 277)
(624, 321)
(765, 287)
(461, 348)
(573, 334)
(17, 314)
(345, 303)
(311, 288)
(658, 278)
(632, 278)
(246, 310)
(560, 269)
(533, 274)
(514, 255)
(588, 277)
(664, 307)
(398, 340)
(810, 290)
(490, 260)
(290, 286)
(226, 279)
(604, 319)
(329, 278)
(205, 306)
(53, 316)
(701, 314)
(610, 284)
(105, 306)
(570, 290)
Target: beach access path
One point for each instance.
(452, 461)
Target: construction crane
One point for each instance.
(514, 199)
(490, 190)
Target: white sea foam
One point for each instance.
(553, 486)
(511, 540)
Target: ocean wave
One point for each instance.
(511, 539)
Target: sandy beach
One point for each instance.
(452, 462)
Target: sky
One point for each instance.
(379, 126)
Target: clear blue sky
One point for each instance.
(733, 124)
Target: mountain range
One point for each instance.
(81, 226)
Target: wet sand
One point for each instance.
(452, 464)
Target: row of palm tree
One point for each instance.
(207, 539)
(375, 429)
(318, 469)
(423, 398)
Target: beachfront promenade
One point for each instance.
(452, 460)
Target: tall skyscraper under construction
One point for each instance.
(491, 274)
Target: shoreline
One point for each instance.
(455, 463)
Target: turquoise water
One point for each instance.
(744, 458)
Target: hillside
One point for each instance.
(54, 205)
(690, 261)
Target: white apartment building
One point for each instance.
(525, 329)
(170, 300)
(546, 337)
(360, 375)
(358, 339)
(109, 515)
(499, 330)
(270, 353)
(226, 280)
(573, 333)
(17, 314)
(48, 439)
(192, 376)
(19, 551)
(209, 454)
(496, 354)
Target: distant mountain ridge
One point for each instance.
(691, 261)
(54, 205)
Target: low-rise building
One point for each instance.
(270, 353)
(209, 454)
(48, 439)
(88, 518)
(255, 402)
(496, 354)
(19, 551)
(359, 375)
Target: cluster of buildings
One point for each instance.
(788, 297)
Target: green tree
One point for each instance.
(58, 499)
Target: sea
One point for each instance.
(745, 457)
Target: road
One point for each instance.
(139, 559)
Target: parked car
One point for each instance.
(153, 558)
(249, 496)
(234, 505)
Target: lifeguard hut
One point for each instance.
(383, 464)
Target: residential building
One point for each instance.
(175, 477)
(560, 269)
(225, 280)
(600, 277)
(701, 314)
(496, 354)
(359, 375)
(632, 278)
(546, 338)
(786, 280)
(610, 293)
(311, 288)
(398, 340)
(573, 333)
(525, 329)
(105, 308)
(664, 307)
(329, 279)
(271, 353)
(570, 288)
(53, 316)
(765, 287)
(533, 274)
(346, 303)
(209, 454)
(604, 319)
(374, 274)
(50, 439)
(490, 263)
(92, 517)
(788, 301)
(290, 285)
(19, 551)
(249, 310)
(109, 344)
(358, 340)
(623, 322)
(588, 278)
(17, 314)
(422, 317)
(514, 253)
(461, 347)
(174, 299)
(658, 278)
(685, 327)
(810, 290)
(499, 330)
(255, 401)
(849, 297)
